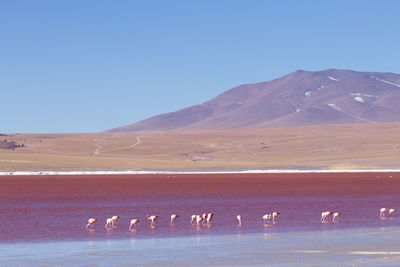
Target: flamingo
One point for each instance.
(209, 218)
(382, 212)
(324, 215)
(239, 218)
(133, 223)
(199, 219)
(109, 223)
(204, 216)
(91, 222)
(173, 218)
(115, 218)
(274, 215)
(266, 218)
(193, 218)
(335, 216)
(391, 211)
(152, 218)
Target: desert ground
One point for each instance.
(347, 146)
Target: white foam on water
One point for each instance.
(309, 251)
(373, 253)
(195, 172)
(16, 161)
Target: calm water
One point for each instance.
(347, 247)
(47, 215)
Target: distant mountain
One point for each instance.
(299, 98)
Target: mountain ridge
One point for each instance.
(331, 96)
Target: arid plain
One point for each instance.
(331, 147)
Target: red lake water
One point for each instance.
(56, 208)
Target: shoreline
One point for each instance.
(133, 172)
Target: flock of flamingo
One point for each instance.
(207, 217)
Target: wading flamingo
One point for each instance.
(210, 216)
(173, 218)
(324, 215)
(152, 218)
(391, 211)
(335, 216)
(382, 212)
(109, 223)
(199, 219)
(91, 222)
(133, 223)
(204, 216)
(239, 218)
(193, 218)
(266, 218)
(274, 216)
(115, 218)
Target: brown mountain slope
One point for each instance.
(300, 98)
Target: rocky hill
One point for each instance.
(299, 98)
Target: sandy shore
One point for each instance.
(327, 147)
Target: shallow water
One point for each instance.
(46, 218)
(350, 247)
(57, 207)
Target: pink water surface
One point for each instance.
(50, 208)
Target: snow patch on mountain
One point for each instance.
(384, 81)
(365, 95)
(337, 108)
(359, 99)
(333, 79)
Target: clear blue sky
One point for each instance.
(87, 66)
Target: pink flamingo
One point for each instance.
(210, 216)
(335, 216)
(193, 218)
(133, 223)
(239, 218)
(382, 212)
(266, 218)
(199, 219)
(204, 216)
(324, 215)
(152, 218)
(91, 222)
(173, 218)
(109, 223)
(274, 215)
(115, 218)
(391, 211)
